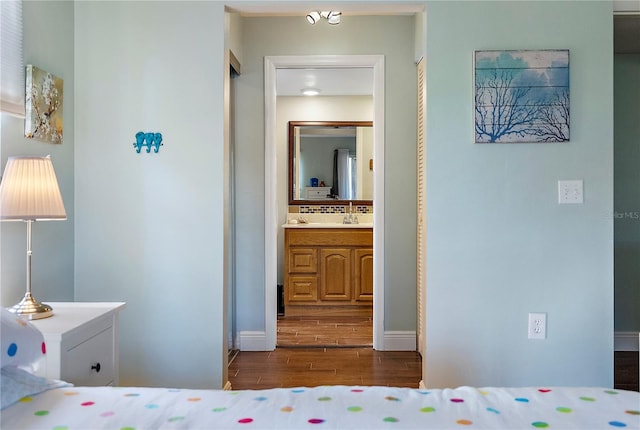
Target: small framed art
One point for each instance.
(43, 106)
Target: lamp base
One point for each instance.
(31, 309)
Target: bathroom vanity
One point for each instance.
(328, 269)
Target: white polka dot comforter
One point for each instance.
(327, 407)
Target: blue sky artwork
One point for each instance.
(521, 96)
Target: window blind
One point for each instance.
(12, 90)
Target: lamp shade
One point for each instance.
(29, 190)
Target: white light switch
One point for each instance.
(570, 192)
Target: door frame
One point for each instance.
(271, 222)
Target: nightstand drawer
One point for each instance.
(80, 336)
(91, 362)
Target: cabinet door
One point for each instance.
(302, 289)
(335, 274)
(303, 260)
(364, 275)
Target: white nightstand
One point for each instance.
(82, 343)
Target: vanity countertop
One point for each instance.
(327, 221)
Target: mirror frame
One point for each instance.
(291, 150)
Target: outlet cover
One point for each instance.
(537, 325)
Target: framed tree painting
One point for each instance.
(43, 106)
(521, 96)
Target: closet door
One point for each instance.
(422, 208)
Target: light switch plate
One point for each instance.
(570, 192)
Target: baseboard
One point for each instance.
(252, 341)
(400, 340)
(227, 386)
(625, 341)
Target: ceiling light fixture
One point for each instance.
(310, 91)
(313, 17)
(332, 16)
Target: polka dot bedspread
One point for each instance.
(327, 407)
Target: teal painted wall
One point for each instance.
(498, 243)
(627, 191)
(48, 44)
(150, 227)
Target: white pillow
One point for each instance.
(22, 343)
(15, 384)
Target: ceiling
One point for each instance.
(355, 81)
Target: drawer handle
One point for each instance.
(96, 367)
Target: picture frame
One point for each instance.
(43, 105)
(521, 96)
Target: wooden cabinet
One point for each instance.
(335, 274)
(364, 274)
(328, 271)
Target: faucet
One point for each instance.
(351, 219)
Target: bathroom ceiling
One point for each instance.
(330, 82)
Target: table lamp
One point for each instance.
(29, 192)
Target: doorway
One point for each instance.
(234, 72)
(626, 198)
(272, 221)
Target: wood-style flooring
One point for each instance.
(315, 351)
(311, 367)
(625, 374)
(324, 331)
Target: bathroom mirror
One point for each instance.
(330, 162)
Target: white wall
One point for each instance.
(48, 44)
(149, 227)
(498, 244)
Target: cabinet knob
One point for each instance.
(96, 367)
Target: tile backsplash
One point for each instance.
(330, 209)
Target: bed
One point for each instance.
(32, 402)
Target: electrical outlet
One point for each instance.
(537, 326)
(570, 192)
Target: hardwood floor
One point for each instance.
(325, 331)
(626, 370)
(310, 367)
(316, 351)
